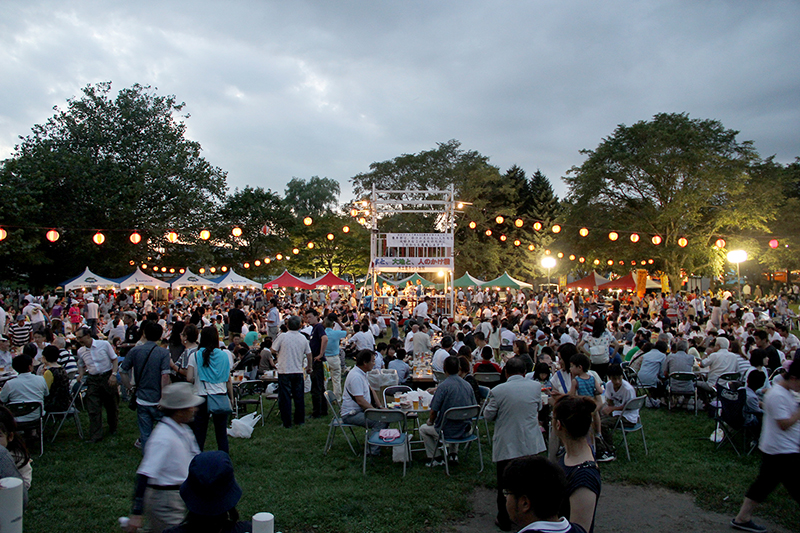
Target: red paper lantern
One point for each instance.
(773, 243)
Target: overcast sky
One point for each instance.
(293, 88)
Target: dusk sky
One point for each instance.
(295, 89)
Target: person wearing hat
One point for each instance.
(20, 332)
(165, 465)
(211, 493)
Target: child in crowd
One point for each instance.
(586, 384)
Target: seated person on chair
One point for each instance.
(486, 364)
(357, 395)
(618, 392)
(719, 361)
(653, 365)
(57, 381)
(752, 407)
(453, 391)
(26, 387)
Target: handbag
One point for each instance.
(218, 403)
(132, 405)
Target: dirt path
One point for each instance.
(624, 508)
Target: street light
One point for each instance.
(736, 257)
(548, 262)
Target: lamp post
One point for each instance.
(736, 257)
(548, 263)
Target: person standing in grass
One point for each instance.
(780, 445)
(515, 406)
(166, 462)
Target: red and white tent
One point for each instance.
(288, 280)
(331, 280)
(626, 283)
(590, 282)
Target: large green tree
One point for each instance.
(673, 177)
(105, 162)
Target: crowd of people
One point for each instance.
(568, 363)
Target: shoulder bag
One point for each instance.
(132, 405)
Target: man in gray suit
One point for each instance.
(515, 406)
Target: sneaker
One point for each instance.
(434, 462)
(138, 444)
(748, 526)
(452, 459)
(606, 457)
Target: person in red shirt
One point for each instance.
(486, 364)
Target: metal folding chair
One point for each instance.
(675, 380)
(632, 405)
(372, 437)
(460, 414)
(483, 400)
(336, 422)
(730, 417)
(249, 393)
(390, 391)
(20, 409)
(488, 379)
(71, 411)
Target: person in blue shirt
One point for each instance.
(332, 351)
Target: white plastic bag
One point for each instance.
(400, 453)
(243, 427)
(717, 436)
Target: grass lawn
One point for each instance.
(85, 487)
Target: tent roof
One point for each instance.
(288, 280)
(331, 280)
(413, 279)
(591, 282)
(190, 279)
(507, 281)
(467, 281)
(232, 279)
(88, 279)
(140, 279)
(626, 282)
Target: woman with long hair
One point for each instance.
(572, 419)
(210, 371)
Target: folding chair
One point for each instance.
(21, 409)
(249, 393)
(71, 411)
(488, 379)
(676, 379)
(390, 391)
(483, 400)
(632, 377)
(460, 414)
(633, 405)
(730, 416)
(372, 437)
(336, 422)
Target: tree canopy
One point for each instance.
(672, 177)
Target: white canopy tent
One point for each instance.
(89, 280)
(232, 279)
(190, 279)
(140, 279)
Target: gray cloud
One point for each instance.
(282, 89)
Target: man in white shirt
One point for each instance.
(92, 313)
(409, 342)
(358, 396)
(421, 309)
(780, 444)
(363, 340)
(99, 360)
(719, 362)
(294, 353)
(422, 341)
(437, 363)
(35, 314)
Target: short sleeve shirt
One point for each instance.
(291, 348)
(356, 384)
(779, 404)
